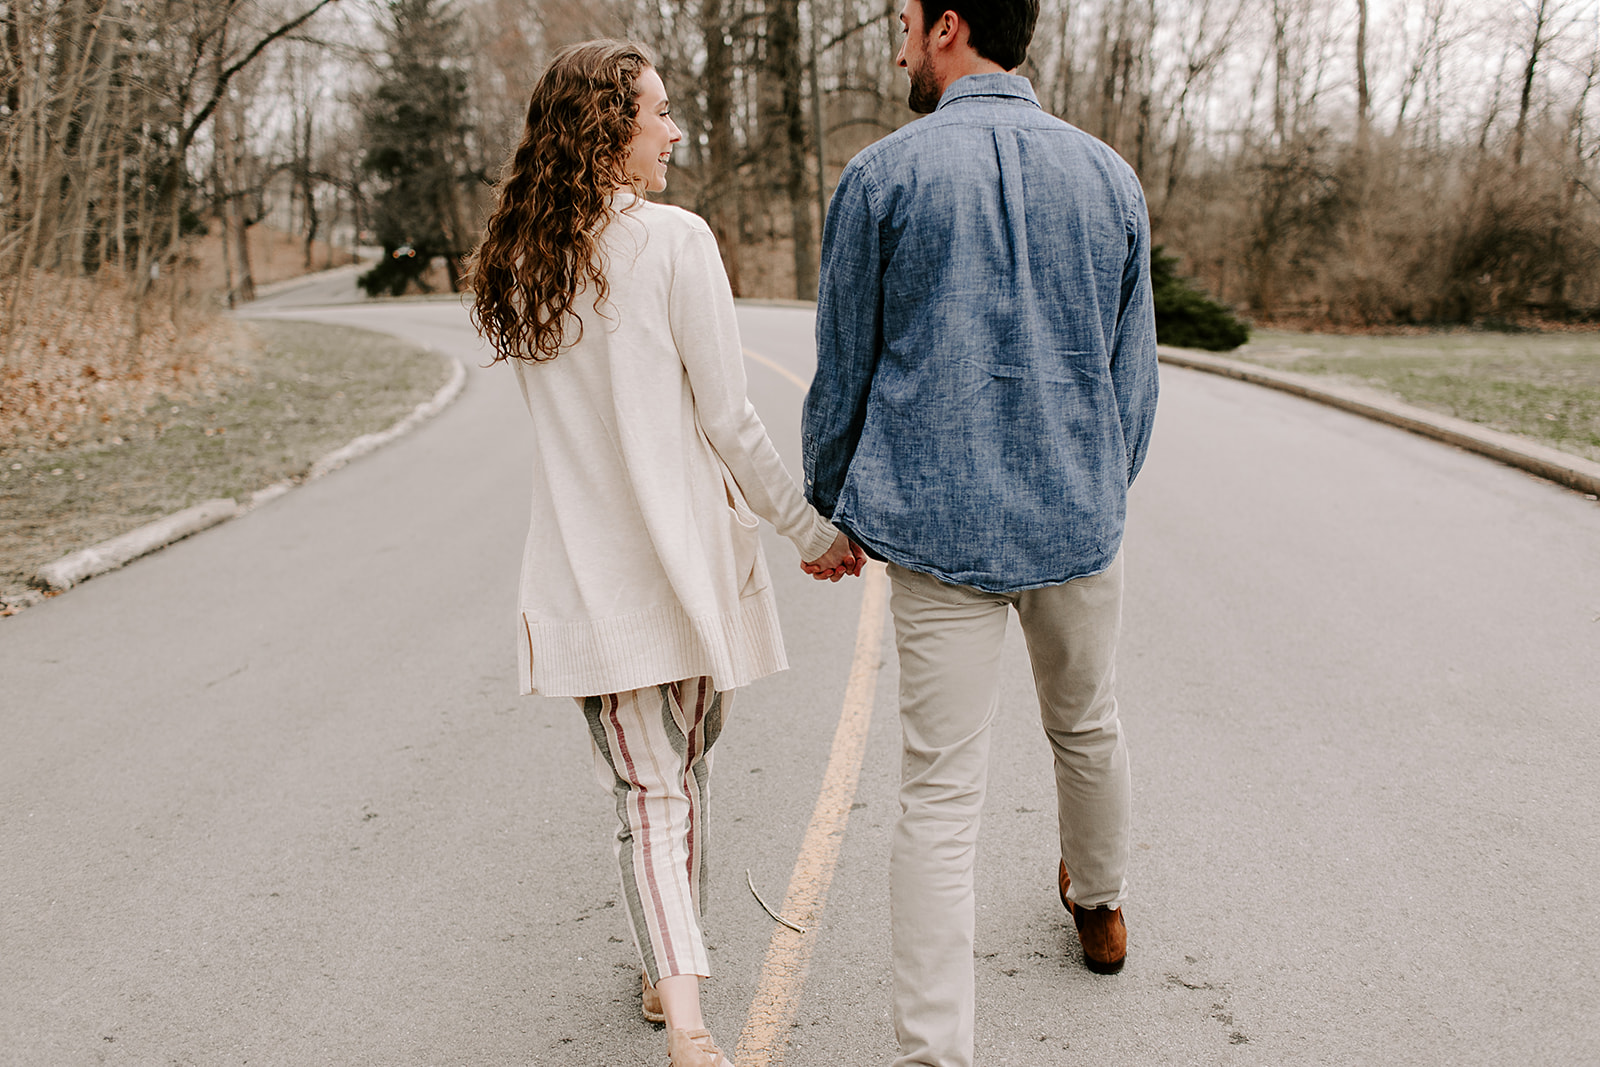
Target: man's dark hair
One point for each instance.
(1001, 29)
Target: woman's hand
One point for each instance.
(843, 557)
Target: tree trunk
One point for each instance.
(1433, 17)
(234, 221)
(1175, 159)
(1064, 66)
(1142, 129)
(1541, 23)
(119, 220)
(333, 228)
(219, 202)
(308, 188)
(723, 181)
(789, 129)
(819, 129)
(88, 165)
(1280, 81)
(170, 188)
(1363, 89)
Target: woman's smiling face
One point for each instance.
(651, 148)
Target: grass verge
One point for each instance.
(295, 393)
(1545, 386)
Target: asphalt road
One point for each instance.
(270, 796)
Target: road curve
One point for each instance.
(270, 795)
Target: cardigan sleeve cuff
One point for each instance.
(816, 540)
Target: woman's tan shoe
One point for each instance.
(694, 1048)
(650, 1003)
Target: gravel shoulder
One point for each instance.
(279, 404)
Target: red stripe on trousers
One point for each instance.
(644, 831)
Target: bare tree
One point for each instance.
(1547, 25)
(1205, 41)
(1432, 43)
(786, 140)
(198, 99)
(1363, 86)
(716, 26)
(1345, 160)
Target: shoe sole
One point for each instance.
(1089, 961)
(650, 1016)
(1093, 964)
(1104, 968)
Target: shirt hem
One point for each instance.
(987, 581)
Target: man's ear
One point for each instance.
(947, 31)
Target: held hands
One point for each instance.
(843, 557)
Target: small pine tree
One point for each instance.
(1186, 317)
(414, 122)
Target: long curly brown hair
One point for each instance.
(539, 246)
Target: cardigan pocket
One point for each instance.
(745, 531)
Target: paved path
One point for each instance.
(270, 796)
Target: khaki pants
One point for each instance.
(949, 639)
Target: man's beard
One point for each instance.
(925, 90)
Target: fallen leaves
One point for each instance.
(77, 353)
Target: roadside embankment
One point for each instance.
(298, 402)
(1565, 468)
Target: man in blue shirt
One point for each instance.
(985, 387)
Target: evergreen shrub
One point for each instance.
(1187, 317)
(395, 272)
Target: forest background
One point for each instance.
(1326, 164)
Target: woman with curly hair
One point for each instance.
(644, 592)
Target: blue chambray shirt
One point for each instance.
(986, 347)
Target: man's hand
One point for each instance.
(843, 557)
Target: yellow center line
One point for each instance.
(773, 365)
(783, 972)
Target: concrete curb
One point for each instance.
(369, 442)
(71, 569)
(285, 284)
(86, 563)
(1563, 468)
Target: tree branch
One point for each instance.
(886, 13)
(1581, 184)
(221, 87)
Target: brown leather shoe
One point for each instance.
(694, 1048)
(650, 1002)
(1101, 932)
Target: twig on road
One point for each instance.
(751, 883)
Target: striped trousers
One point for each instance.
(652, 752)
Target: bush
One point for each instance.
(394, 272)
(1185, 316)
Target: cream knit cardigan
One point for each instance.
(643, 562)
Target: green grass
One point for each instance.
(1544, 386)
(306, 390)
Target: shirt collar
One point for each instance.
(998, 84)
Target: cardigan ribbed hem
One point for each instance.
(614, 655)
